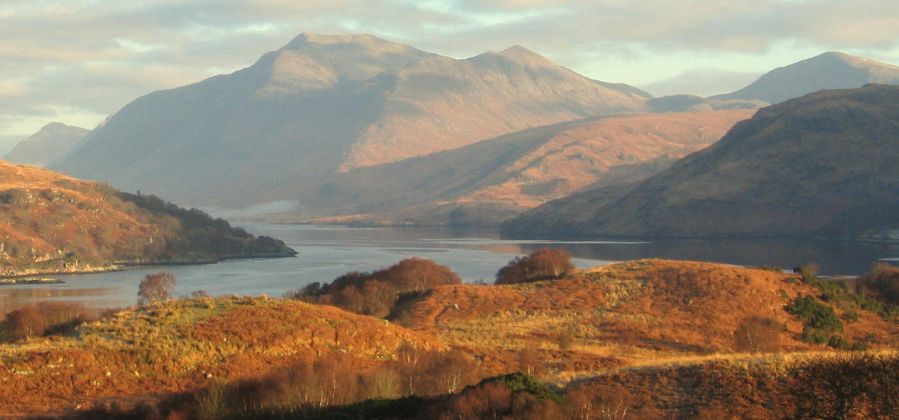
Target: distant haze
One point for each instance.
(702, 82)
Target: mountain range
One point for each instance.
(53, 142)
(820, 165)
(323, 104)
(354, 127)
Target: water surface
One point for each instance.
(326, 252)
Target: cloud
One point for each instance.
(96, 55)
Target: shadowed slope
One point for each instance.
(824, 164)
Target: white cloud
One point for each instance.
(94, 56)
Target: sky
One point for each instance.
(78, 61)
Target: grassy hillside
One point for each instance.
(659, 338)
(183, 345)
(53, 223)
(820, 165)
(627, 314)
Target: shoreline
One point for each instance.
(125, 266)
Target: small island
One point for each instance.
(18, 281)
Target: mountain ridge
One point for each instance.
(820, 165)
(274, 130)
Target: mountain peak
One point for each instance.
(306, 38)
(830, 70)
(523, 55)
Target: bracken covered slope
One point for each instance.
(623, 314)
(184, 345)
(53, 223)
(822, 165)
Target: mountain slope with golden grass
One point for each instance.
(53, 223)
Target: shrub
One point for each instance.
(155, 288)
(882, 283)
(377, 293)
(758, 334)
(25, 323)
(544, 264)
(44, 318)
(815, 315)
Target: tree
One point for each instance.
(758, 334)
(543, 264)
(155, 288)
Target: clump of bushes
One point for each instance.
(42, 319)
(821, 321)
(377, 293)
(881, 283)
(543, 264)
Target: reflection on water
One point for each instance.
(326, 252)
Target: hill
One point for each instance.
(656, 338)
(831, 70)
(821, 165)
(624, 315)
(138, 355)
(492, 180)
(53, 142)
(278, 129)
(53, 223)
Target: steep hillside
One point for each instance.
(824, 164)
(53, 142)
(832, 70)
(624, 314)
(53, 223)
(277, 129)
(493, 180)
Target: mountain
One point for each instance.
(53, 223)
(321, 104)
(831, 70)
(51, 143)
(492, 180)
(820, 165)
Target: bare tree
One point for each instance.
(155, 288)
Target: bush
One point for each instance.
(882, 283)
(377, 293)
(758, 334)
(25, 323)
(815, 315)
(44, 318)
(155, 288)
(544, 264)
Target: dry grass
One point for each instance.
(182, 345)
(634, 313)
